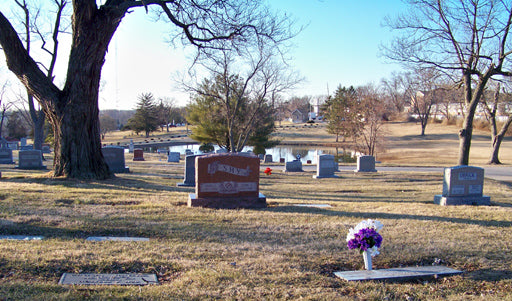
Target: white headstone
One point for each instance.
(131, 146)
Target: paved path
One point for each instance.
(500, 173)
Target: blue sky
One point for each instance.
(339, 46)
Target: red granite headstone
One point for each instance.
(138, 155)
(229, 180)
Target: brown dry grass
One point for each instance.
(282, 252)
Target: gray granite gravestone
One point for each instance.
(46, 149)
(190, 171)
(366, 164)
(325, 167)
(114, 157)
(173, 157)
(108, 279)
(463, 185)
(268, 159)
(293, 166)
(30, 159)
(6, 155)
(23, 142)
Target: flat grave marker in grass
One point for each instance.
(116, 238)
(21, 237)
(313, 205)
(108, 279)
(405, 273)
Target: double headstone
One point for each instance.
(365, 164)
(190, 171)
(173, 157)
(293, 166)
(227, 181)
(30, 159)
(325, 167)
(114, 157)
(463, 185)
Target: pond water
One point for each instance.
(289, 153)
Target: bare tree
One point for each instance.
(491, 108)
(31, 24)
(428, 93)
(395, 88)
(241, 89)
(4, 106)
(371, 110)
(73, 109)
(468, 40)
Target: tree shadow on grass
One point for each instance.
(116, 183)
(381, 215)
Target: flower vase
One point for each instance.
(367, 260)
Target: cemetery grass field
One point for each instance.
(281, 252)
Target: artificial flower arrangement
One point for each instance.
(268, 171)
(365, 237)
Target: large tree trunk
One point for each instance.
(73, 112)
(75, 116)
(472, 98)
(497, 139)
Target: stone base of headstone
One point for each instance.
(405, 273)
(185, 184)
(462, 200)
(126, 169)
(325, 177)
(313, 205)
(228, 202)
